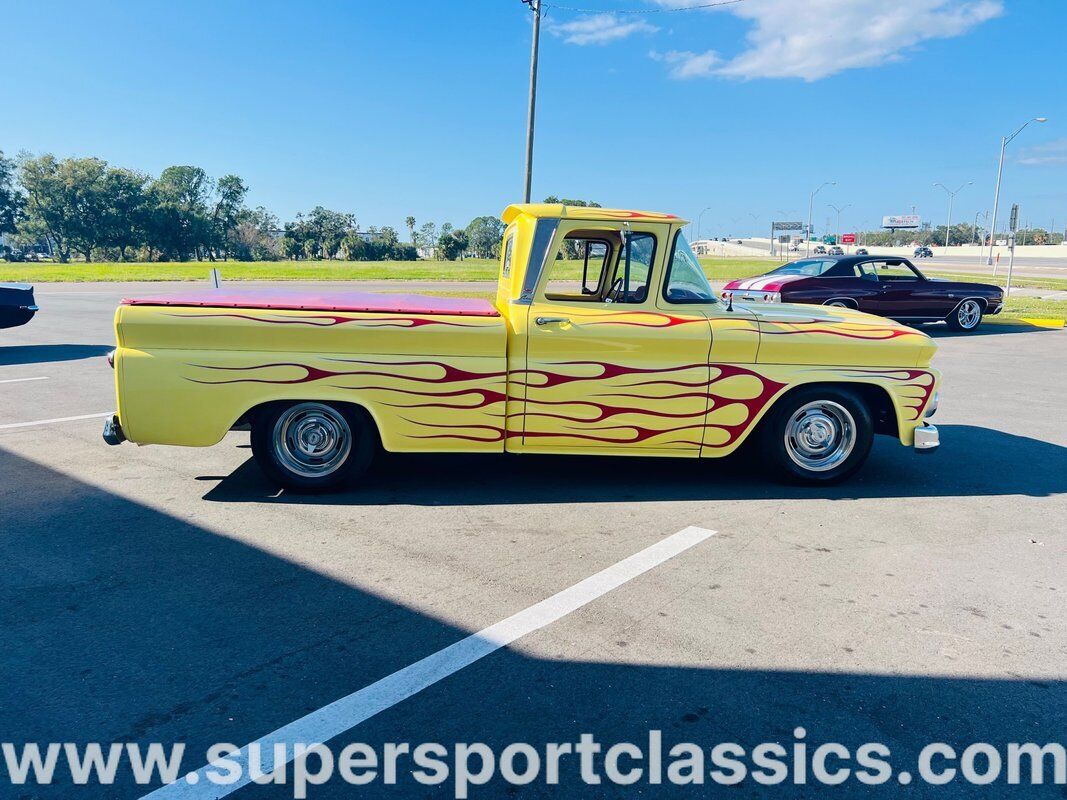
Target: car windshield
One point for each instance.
(809, 266)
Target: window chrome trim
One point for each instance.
(544, 232)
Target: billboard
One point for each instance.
(901, 221)
(848, 238)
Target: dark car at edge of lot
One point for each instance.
(17, 305)
(887, 286)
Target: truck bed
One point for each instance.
(431, 371)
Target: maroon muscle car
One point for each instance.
(886, 286)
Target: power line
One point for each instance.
(638, 10)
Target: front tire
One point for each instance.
(311, 447)
(966, 317)
(818, 435)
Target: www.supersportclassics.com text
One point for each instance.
(586, 760)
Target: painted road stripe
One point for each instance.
(10, 425)
(342, 715)
(23, 380)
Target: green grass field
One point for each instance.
(717, 270)
(468, 270)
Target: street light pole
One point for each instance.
(535, 5)
(839, 210)
(1000, 172)
(700, 223)
(951, 197)
(811, 202)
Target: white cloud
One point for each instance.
(686, 64)
(1051, 153)
(598, 29)
(813, 39)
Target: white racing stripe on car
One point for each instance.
(10, 425)
(341, 715)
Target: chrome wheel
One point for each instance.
(311, 439)
(969, 314)
(820, 435)
(837, 304)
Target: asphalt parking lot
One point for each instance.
(161, 595)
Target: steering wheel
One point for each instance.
(613, 292)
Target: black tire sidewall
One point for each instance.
(773, 435)
(364, 447)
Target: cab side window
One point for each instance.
(580, 269)
(633, 270)
(602, 267)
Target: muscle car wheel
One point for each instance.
(311, 446)
(818, 435)
(966, 317)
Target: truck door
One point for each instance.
(607, 368)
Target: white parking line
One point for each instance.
(344, 714)
(23, 380)
(10, 425)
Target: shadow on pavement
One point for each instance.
(46, 353)
(122, 623)
(987, 329)
(1009, 465)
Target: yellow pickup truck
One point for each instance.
(604, 338)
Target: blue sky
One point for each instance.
(415, 107)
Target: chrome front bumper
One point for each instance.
(926, 439)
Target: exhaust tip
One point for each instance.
(113, 434)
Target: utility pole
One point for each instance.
(535, 5)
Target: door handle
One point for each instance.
(549, 320)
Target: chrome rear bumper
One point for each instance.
(926, 439)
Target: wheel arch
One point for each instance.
(983, 301)
(875, 397)
(849, 301)
(362, 411)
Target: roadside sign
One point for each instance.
(901, 221)
(1014, 223)
(848, 238)
(788, 226)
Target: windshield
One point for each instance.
(686, 282)
(809, 266)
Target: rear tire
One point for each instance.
(966, 317)
(310, 447)
(818, 435)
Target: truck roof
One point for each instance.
(559, 211)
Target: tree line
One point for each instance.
(86, 208)
(959, 233)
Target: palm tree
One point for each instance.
(410, 222)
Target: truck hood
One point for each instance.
(806, 334)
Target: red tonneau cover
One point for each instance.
(321, 301)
